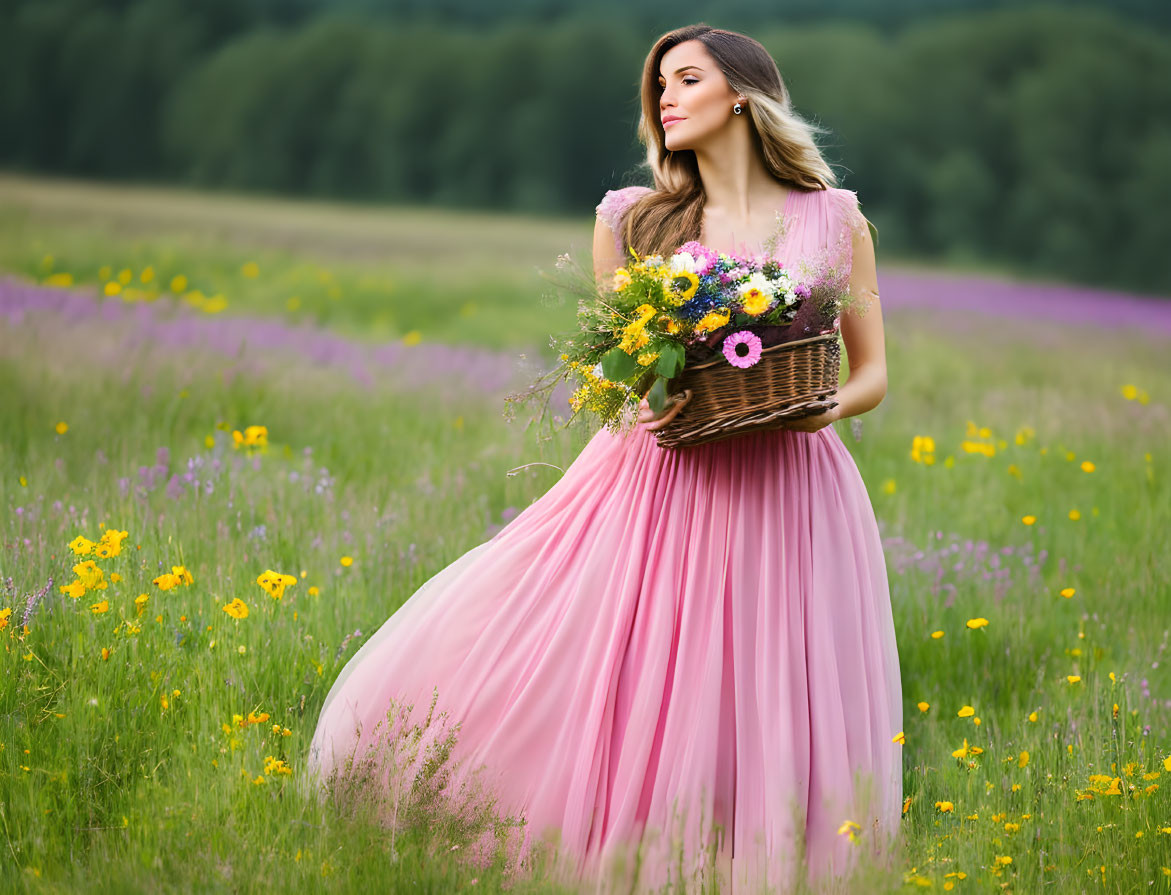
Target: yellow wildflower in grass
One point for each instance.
(899, 738)
(111, 541)
(90, 575)
(61, 427)
(923, 449)
(1028, 520)
(252, 436)
(100, 607)
(105, 654)
(276, 766)
(966, 712)
(5, 614)
(275, 583)
(849, 828)
(1167, 763)
(140, 602)
(965, 750)
(974, 623)
(1130, 392)
(945, 807)
(1073, 678)
(935, 635)
(314, 591)
(907, 804)
(1087, 466)
(250, 269)
(74, 589)
(166, 581)
(1024, 758)
(59, 279)
(112, 288)
(1068, 592)
(182, 574)
(82, 545)
(924, 706)
(888, 486)
(414, 337)
(236, 609)
(347, 561)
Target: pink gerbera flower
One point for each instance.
(746, 356)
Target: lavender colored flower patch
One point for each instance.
(167, 325)
(1025, 302)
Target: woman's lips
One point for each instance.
(670, 121)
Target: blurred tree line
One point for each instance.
(1034, 136)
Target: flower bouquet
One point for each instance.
(756, 342)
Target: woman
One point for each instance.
(680, 661)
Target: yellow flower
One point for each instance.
(945, 806)
(1024, 758)
(1075, 515)
(275, 583)
(1028, 520)
(755, 302)
(347, 561)
(935, 635)
(81, 545)
(236, 609)
(178, 283)
(899, 738)
(74, 589)
(62, 427)
(924, 706)
(90, 575)
(100, 607)
(105, 654)
(1087, 466)
(314, 591)
(712, 320)
(167, 580)
(1068, 592)
(621, 279)
(5, 614)
(140, 602)
(683, 286)
(888, 486)
(112, 540)
(976, 623)
(1073, 678)
(923, 449)
(966, 712)
(251, 269)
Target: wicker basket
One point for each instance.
(791, 380)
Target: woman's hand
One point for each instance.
(815, 421)
(646, 415)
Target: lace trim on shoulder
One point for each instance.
(614, 205)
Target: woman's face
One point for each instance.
(695, 92)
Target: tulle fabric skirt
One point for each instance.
(673, 660)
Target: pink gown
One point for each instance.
(668, 649)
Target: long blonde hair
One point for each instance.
(673, 214)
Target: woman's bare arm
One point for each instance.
(863, 335)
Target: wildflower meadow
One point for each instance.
(234, 438)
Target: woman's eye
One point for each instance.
(692, 81)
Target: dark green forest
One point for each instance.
(1036, 137)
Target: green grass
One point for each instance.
(116, 792)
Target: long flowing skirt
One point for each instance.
(691, 652)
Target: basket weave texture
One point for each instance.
(791, 380)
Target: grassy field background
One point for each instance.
(380, 345)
